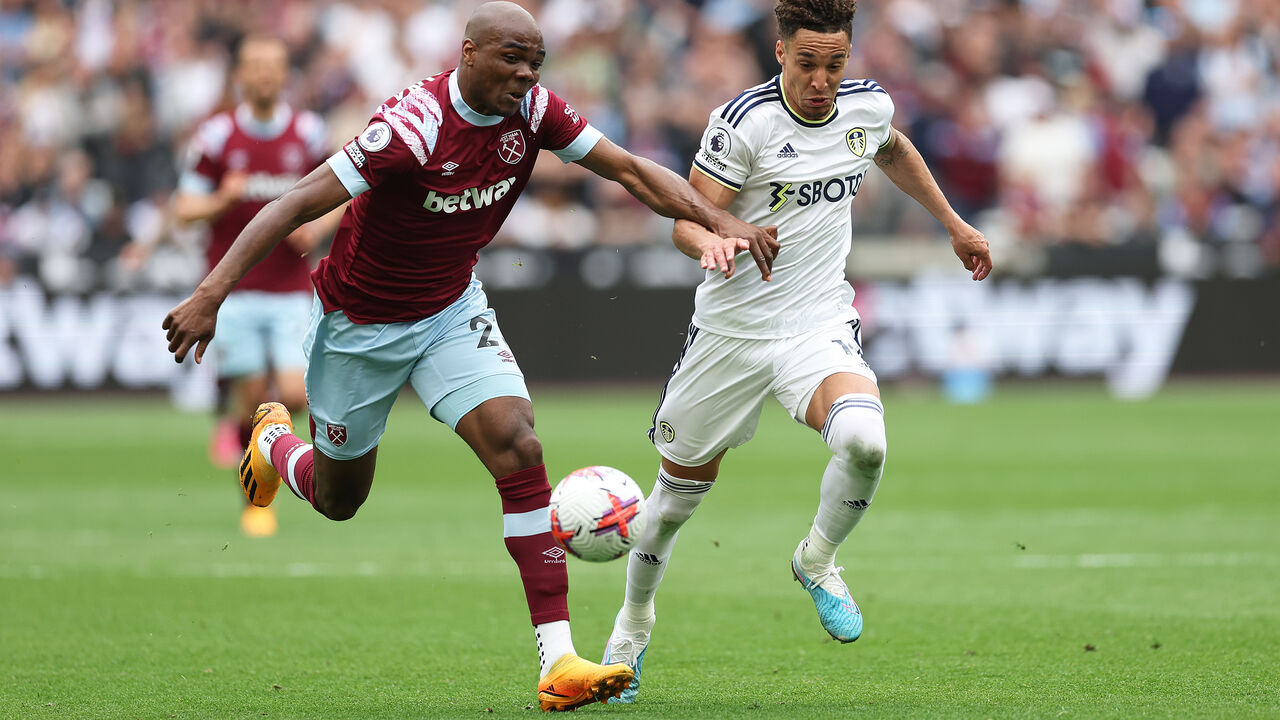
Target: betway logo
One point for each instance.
(1124, 328)
(469, 199)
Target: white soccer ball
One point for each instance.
(597, 513)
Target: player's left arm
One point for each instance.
(904, 165)
(667, 194)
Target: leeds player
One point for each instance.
(792, 152)
(433, 176)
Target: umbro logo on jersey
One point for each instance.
(449, 167)
(788, 152)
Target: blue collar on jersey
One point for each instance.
(463, 109)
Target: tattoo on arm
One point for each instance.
(885, 159)
(895, 150)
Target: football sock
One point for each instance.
(526, 530)
(294, 459)
(854, 430)
(669, 506)
(554, 640)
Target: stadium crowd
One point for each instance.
(1047, 122)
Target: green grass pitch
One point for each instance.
(1051, 553)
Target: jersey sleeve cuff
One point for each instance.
(195, 184)
(580, 146)
(736, 187)
(347, 173)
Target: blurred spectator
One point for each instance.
(1101, 122)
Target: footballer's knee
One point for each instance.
(342, 486)
(670, 515)
(337, 510)
(526, 447)
(855, 431)
(337, 505)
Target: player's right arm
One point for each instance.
(705, 246)
(191, 323)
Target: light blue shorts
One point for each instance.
(455, 360)
(260, 330)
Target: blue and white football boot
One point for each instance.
(838, 612)
(626, 645)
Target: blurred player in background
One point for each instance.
(793, 152)
(434, 175)
(238, 162)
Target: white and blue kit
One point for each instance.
(750, 339)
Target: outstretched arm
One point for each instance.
(700, 243)
(670, 196)
(191, 323)
(900, 160)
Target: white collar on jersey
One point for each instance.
(471, 116)
(259, 130)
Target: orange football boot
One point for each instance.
(258, 522)
(258, 478)
(573, 682)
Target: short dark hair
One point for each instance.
(822, 16)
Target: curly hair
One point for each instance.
(822, 16)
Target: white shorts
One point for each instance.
(714, 396)
(258, 330)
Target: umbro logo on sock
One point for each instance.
(648, 558)
(555, 553)
(788, 152)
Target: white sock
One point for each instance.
(855, 432)
(268, 437)
(819, 552)
(669, 506)
(554, 642)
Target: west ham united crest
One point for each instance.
(511, 147)
(337, 434)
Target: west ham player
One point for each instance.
(792, 152)
(433, 176)
(239, 161)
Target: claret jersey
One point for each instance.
(275, 155)
(800, 175)
(433, 180)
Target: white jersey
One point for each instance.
(800, 175)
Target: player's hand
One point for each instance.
(189, 325)
(718, 253)
(762, 242)
(231, 189)
(972, 249)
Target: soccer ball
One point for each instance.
(597, 513)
